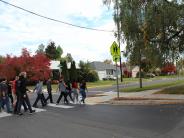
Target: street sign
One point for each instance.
(115, 50)
(116, 58)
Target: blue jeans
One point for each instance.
(83, 93)
(5, 101)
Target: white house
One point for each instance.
(135, 70)
(56, 70)
(104, 70)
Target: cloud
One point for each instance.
(20, 29)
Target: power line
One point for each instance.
(52, 19)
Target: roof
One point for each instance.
(100, 66)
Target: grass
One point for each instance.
(111, 82)
(179, 89)
(153, 86)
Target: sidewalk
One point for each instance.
(136, 98)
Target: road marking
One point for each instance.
(38, 109)
(61, 106)
(4, 114)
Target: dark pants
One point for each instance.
(49, 97)
(83, 93)
(26, 100)
(5, 101)
(70, 95)
(17, 103)
(41, 98)
(65, 97)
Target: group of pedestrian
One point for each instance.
(72, 90)
(13, 96)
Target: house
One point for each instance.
(56, 70)
(135, 70)
(104, 70)
(55, 67)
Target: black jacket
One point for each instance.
(23, 84)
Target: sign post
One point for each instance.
(115, 52)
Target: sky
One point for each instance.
(19, 29)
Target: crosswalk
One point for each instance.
(4, 114)
(61, 106)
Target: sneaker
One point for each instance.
(35, 106)
(32, 111)
(20, 114)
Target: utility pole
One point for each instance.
(118, 38)
(140, 59)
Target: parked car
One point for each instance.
(151, 75)
(109, 78)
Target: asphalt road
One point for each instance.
(99, 121)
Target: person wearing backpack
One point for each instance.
(38, 90)
(62, 90)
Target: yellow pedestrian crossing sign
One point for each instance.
(116, 58)
(115, 50)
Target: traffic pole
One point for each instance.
(117, 81)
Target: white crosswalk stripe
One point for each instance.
(38, 109)
(61, 106)
(4, 114)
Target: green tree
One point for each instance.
(53, 52)
(41, 49)
(69, 58)
(64, 70)
(59, 52)
(73, 72)
(86, 73)
(151, 29)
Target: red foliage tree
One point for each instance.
(37, 66)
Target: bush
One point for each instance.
(92, 76)
(142, 75)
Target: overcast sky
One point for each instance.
(19, 29)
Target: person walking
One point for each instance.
(62, 90)
(18, 98)
(4, 97)
(83, 89)
(69, 90)
(75, 91)
(38, 90)
(10, 92)
(23, 91)
(49, 90)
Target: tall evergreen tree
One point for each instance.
(64, 70)
(73, 72)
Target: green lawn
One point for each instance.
(110, 83)
(153, 86)
(179, 89)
